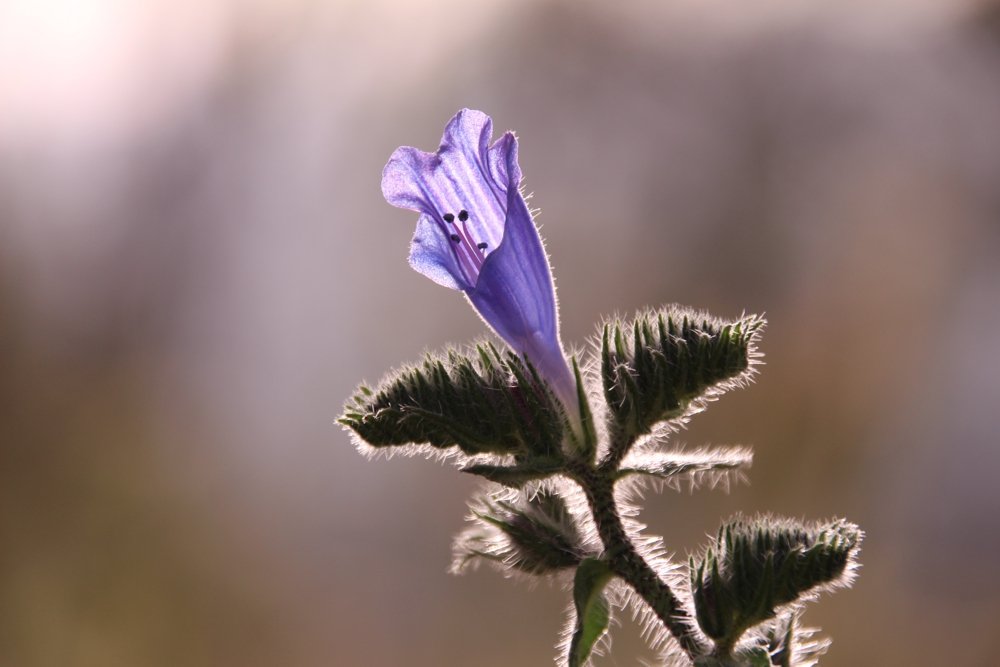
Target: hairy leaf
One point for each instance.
(655, 366)
(533, 534)
(719, 463)
(516, 476)
(755, 566)
(492, 402)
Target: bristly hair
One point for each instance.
(678, 469)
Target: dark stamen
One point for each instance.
(448, 217)
(463, 215)
(456, 238)
(482, 246)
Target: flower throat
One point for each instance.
(471, 255)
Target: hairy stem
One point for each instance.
(625, 561)
(619, 448)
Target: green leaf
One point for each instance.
(534, 534)
(516, 476)
(592, 611)
(487, 402)
(755, 566)
(654, 367)
(672, 467)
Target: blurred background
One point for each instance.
(197, 268)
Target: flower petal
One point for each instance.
(403, 179)
(458, 177)
(432, 256)
(514, 285)
(504, 170)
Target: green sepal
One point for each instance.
(755, 566)
(654, 367)
(586, 441)
(487, 402)
(592, 611)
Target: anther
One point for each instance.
(448, 217)
(463, 215)
(456, 238)
(482, 246)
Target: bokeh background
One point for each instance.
(197, 268)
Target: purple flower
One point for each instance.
(475, 234)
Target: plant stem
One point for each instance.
(723, 651)
(625, 561)
(613, 459)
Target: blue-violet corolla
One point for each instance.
(475, 234)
